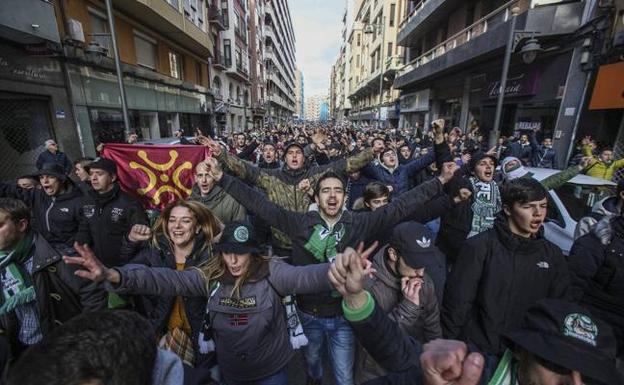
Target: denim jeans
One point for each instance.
(279, 378)
(341, 339)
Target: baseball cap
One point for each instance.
(415, 244)
(102, 164)
(291, 144)
(237, 237)
(566, 334)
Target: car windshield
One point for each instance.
(579, 199)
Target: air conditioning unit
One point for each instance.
(75, 31)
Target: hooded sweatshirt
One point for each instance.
(222, 205)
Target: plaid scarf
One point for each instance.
(17, 288)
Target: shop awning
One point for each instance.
(609, 88)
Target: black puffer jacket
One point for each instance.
(57, 218)
(107, 219)
(497, 277)
(597, 270)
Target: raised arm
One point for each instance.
(309, 279)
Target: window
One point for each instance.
(239, 59)
(194, 11)
(99, 26)
(198, 73)
(390, 49)
(225, 13)
(146, 50)
(392, 12)
(227, 52)
(216, 83)
(357, 39)
(175, 65)
(174, 3)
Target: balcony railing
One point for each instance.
(217, 17)
(393, 63)
(412, 13)
(219, 61)
(501, 14)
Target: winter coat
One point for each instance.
(107, 219)
(280, 185)
(58, 158)
(61, 295)
(543, 156)
(222, 205)
(382, 338)
(497, 277)
(455, 224)
(524, 152)
(606, 207)
(249, 331)
(355, 189)
(400, 178)
(597, 269)
(600, 169)
(421, 322)
(157, 308)
(307, 230)
(56, 218)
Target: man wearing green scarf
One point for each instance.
(37, 290)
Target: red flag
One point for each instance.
(156, 175)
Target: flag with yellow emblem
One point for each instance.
(156, 175)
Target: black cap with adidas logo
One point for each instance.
(414, 243)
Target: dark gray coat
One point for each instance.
(250, 331)
(421, 322)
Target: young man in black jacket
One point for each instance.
(501, 272)
(317, 236)
(56, 206)
(108, 214)
(38, 291)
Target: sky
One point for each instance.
(317, 25)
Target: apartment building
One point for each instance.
(231, 75)
(454, 60)
(279, 41)
(317, 107)
(257, 63)
(299, 95)
(340, 105)
(373, 60)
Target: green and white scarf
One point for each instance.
(17, 288)
(506, 372)
(485, 206)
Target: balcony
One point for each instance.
(239, 72)
(217, 18)
(393, 64)
(168, 21)
(241, 33)
(488, 37)
(219, 62)
(17, 18)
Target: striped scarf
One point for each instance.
(17, 288)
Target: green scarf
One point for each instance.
(17, 287)
(323, 242)
(485, 205)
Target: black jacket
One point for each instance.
(107, 219)
(497, 277)
(351, 229)
(157, 309)
(56, 218)
(61, 295)
(597, 270)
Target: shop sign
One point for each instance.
(520, 85)
(15, 65)
(521, 126)
(384, 114)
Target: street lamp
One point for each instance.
(529, 52)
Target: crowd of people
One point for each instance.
(402, 257)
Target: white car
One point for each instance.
(569, 203)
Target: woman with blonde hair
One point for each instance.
(182, 237)
(245, 319)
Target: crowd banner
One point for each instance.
(156, 175)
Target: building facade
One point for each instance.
(280, 61)
(314, 105)
(454, 58)
(372, 62)
(299, 95)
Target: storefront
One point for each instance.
(414, 109)
(156, 110)
(34, 107)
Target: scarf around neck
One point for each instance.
(486, 204)
(17, 288)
